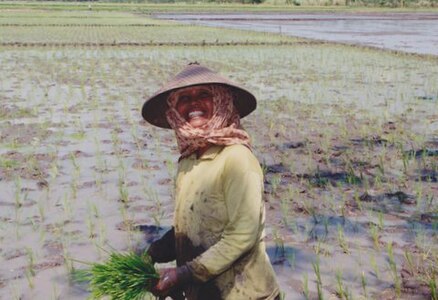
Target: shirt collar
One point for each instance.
(211, 152)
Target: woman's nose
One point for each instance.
(194, 100)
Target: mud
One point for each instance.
(346, 175)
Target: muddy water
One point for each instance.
(349, 152)
(407, 32)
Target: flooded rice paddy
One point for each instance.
(347, 138)
(406, 32)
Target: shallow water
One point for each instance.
(81, 171)
(406, 32)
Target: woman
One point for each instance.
(219, 214)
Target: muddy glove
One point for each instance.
(163, 250)
(171, 279)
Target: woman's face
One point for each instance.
(195, 105)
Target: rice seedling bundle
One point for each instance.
(124, 276)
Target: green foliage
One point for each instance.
(124, 276)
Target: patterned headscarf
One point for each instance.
(222, 129)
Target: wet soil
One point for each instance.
(349, 156)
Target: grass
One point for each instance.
(329, 114)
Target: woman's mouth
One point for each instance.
(195, 114)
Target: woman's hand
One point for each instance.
(170, 280)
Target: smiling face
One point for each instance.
(195, 105)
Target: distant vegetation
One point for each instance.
(224, 5)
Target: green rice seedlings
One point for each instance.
(75, 175)
(53, 170)
(280, 250)
(101, 237)
(357, 200)
(378, 181)
(74, 185)
(14, 144)
(419, 194)
(157, 212)
(66, 206)
(124, 276)
(306, 291)
(429, 202)
(326, 223)
(282, 295)
(326, 146)
(116, 141)
(380, 219)
(375, 266)
(309, 208)
(30, 269)
(291, 258)
(363, 281)
(100, 162)
(374, 232)
(56, 295)
(284, 207)
(17, 193)
(316, 269)
(393, 269)
(406, 157)
(91, 226)
(98, 230)
(170, 165)
(433, 289)
(68, 261)
(123, 192)
(341, 240)
(134, 135)
(339, 285)
(123, 189)
(275, 183)
(381, 164)
(318, 248)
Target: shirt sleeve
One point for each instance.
(243, 189)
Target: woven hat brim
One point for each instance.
(154, 109)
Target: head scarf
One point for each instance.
(222, 129)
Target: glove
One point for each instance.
(170, 280)
(163, 249)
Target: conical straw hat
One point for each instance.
(155, 107)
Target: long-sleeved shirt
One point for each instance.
(219, 224)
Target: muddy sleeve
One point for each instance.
(243, 189)
(163, 249)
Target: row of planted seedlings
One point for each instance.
(350, 186)
(66, 193)
(115, 29)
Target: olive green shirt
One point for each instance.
(219, 222)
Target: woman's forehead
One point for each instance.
(193, 89)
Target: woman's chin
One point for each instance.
(197, 122)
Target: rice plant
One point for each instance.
(125, 276)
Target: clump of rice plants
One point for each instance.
(124, 276)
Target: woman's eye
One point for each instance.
(182, 99)
(204, 95)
